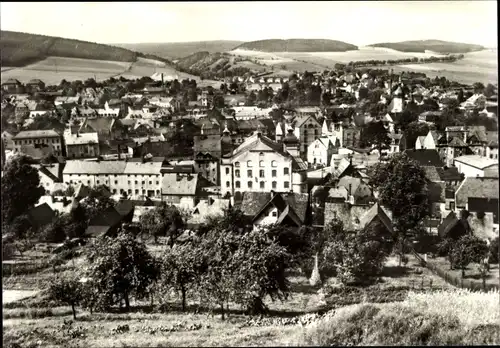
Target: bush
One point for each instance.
(66, 291)
(493, 249)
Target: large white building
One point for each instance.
(321, 151)
(260, 164)
(476, 166)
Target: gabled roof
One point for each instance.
(36, 134)
(447, 224)
(109, 217)
(125, 207)
(259, 142)
(91, 167)
(449, 174)
(254, 203)
(476, 188)
(41, 215)
(376, 211)
(172, 184)
(457, 142)
(432, 174)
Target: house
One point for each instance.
(62, 205)
(183, 191)
(79, 145)
(11, 85)
(108, 111)
(306, 129)
(430, 117)
(454, 227)
(320, 151)
(7, 138)
(428, 141)
(484, 212)
(235, 100)
(357, 217)
(455, 147)
(357, 189)
(425, 157)
(477, 139)
(67, 100)
(395, 142)
(250, 112)
(260, 164)
(480, 187)
(351, 136)
(50, 176)
(49, 139)
(165, 102)
(35, 85)
(207, 154)
(491, 150)
(207, 209)
(106, 223)
(334, 129)
(477, 166)
(283, 208)
(476, 101)
(106, 128)
(142, 179)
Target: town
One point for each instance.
(265, 192)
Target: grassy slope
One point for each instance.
(20, 49)
(298, 45)
(430, 45)
(176, 50)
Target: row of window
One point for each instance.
(274, 173)
(262, 184)
(37, 141)
(261, 163)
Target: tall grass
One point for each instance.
(438, 318)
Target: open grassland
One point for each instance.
(54, 69)
(409, 305)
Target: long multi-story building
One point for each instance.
(38, 138)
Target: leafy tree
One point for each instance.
(460, 96)
(375, 133)
(232, 219)
(403, 188)
(55, 231)
(251, 99)
(478, 87)
(468, 249)
(96, 202)
(493, 251)
(181, 269)
(490, 90)
(165, 220)
(120, 267)
(413, 131)
(21, 188)
(45, 122)
(66, 291)
(261, 264)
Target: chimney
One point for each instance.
(273, 193)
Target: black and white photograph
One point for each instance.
(249, 173)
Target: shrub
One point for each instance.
(493, 249)
(66, 291)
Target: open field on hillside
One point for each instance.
(53, 69)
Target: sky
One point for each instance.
(358, 23)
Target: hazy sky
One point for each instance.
(359, 23)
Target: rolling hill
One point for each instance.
(21, 49)
(297, 45)
(430, 45)
(176, 50)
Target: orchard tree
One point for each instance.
(260, 265)
(490, 90)
(403, 188)
(468, 249)
(165, 220)
(120, 268)
(413, 131)
(21, 188)
(181, 269)
(66, 291)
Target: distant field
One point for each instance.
(82, 69)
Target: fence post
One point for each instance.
(462, 283)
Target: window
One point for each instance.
(237, 173)
(452, 205)
(249, 173)
(286, 184)
(143, 182)
(274, 184)
(274, 164)
(249, 164)
(305, 132)
(262, 184)
(261, 164)
(136, 182)
(261, 173)
(151, 183)
(261, 154)
(88, 182)
(128, 182)
(114, 191)
(228, 184)
(129, 191)
(157, 183)
(249, 184)
(136, 191)
(285, 171)
(116, 182)
(275, 214)
(97, 182)
(274, 173)
(237, 184)
(236, 164)
(227, 171)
